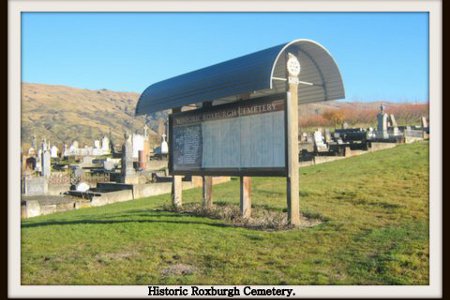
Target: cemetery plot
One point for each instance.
(244, 138)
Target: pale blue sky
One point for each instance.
(382, 56)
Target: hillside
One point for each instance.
(63, 114)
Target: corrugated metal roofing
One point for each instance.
(253, 73)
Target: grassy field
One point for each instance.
(374, 209)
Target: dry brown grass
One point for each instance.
(261, 219)
(63, 114)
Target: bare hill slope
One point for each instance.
(63, 114)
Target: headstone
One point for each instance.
(304, 137)
(327, 135)
(371, 133)
(345, 125)
(46, 166)
(54, 151)
(395, 130)
(82, 187)
(87, 161)
(73, 149)
(424, 122)
(97, 144)
(35, 185)
(127, 159)
(97, 151)
(31, 151)
(393, 122)
(66, 151)
(142, 160)
(77, 171)
(318, 142)
(106, 145)
(382, 127)
(137, 144)
(39, 161)
(44, 145)
(164, 145)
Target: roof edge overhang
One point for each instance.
(246, 74)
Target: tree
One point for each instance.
(334, 116)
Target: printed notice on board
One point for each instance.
(187, 150)
(248, 134)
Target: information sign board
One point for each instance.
(245, 138)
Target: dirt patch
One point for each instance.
(261, 219)
(177, 270)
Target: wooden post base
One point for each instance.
(245, 199)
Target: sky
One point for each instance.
(381, 56)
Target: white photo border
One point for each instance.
(433, 7)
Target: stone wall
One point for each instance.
(93, 179)
(157, 164)
(32, 185)
(57, 178)
(381, 146)
(112, 197)
(57, 189)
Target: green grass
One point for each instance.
(375, 231)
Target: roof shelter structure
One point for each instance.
(258, 74)
(301, 71)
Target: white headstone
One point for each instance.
(38, 167)
(382, 123)
(31, 151)
(138, 144)
(318, 141)
(54, 151)
(44, 145)
(424, 122)
(105, 145)
(393, 121)
(97, 144)
(82, 187)
(66, 151)
(164, 145)
(46, 166)
(87, 160)
(127, 157)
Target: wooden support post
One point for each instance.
(177, 191)
(177, 183)
(207, 192)
(292, 135)
(246, 198)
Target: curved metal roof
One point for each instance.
(258, 74)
